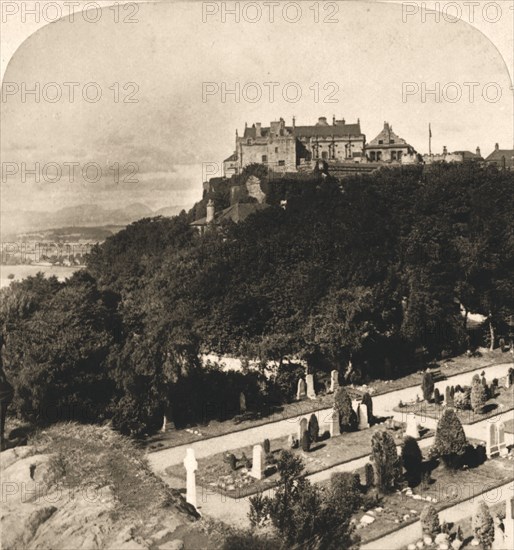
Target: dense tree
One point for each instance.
(483, 525)
(429, 519)
(478, 396)
(412, 458)
(386, 462)
(450, 439)
(427, 386)
(343, 405)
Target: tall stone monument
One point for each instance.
(191, 466)
(334, 427)
(334, 381)
(311, 392)
(301, 390)
(412, 426)
(363, 417)
(257, 462)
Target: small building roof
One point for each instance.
(237, 213)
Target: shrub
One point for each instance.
(345, 487)
(478, 397)
(343, 405)
(429, 521)
(458, 389)
(368, 401)
(306, 441)
(385, 460)
(483, 525)
(266, 447)
(259, 510)
(437, 397)
(232, 461)
(427, 386)
(462, 399)
(369, 475)
(313, 428)
(450, 439)
(246, 461)
(411, 456)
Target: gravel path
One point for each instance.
(382, 405)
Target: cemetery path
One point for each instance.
(402, 537)
(382, 405)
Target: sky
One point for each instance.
(162, 123)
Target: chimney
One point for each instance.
(294, 121)
(257, 129)
(445, 150)
(496, 147)
(344, 121)
(210, 211)
(478, 152)
(333, 120)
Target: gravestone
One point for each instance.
(355, 406)
(301, 390)
(412, 426)
(302, 426)
(502, 446)
(363, 417)
(242, 402)
(334, 427)
(448, 396)
(334, 381)
(191, 466)
(311, 392)
(257, 462)
(491, 445)
(507, 382)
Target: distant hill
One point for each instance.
(80, 216)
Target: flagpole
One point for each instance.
(429, 140)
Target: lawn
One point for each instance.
(501, 403)
(214, 473)
(448, 367)
(446, 489)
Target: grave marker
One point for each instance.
(334, 381)
(191, 466)
(301, 390)
(257, 462)
(412, 426)
(311, 392)
(363, 417)
(334, 426)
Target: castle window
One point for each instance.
(379, 155)
(264, 158)
(372, 156)
(248, 141)
(381, 142)
(393, 155)
(276, 149)
(391, 141)
(399, 155)
(324, 155)
(281, 162)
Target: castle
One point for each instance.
(294, 148)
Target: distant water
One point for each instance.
(22, 271)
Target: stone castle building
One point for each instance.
(292, 148)
(389, 147)
(501, 158)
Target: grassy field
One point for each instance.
(501, 403)
(213, 470)
(449, 367)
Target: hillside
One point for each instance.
(76, 486)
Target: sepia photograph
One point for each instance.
(257, 275)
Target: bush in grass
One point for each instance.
(458, 388)
(429, 519)
(450, 439)
(483, 526)
(386, 463)
(266, 446)
(427, 386)
(368, 401)
(478, 397)
(306, 441)
(412, 457)
(369, 475)
(313, 428)
(246, 461)
(343, 405)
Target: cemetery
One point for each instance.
(497, 396)
(442, 489)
